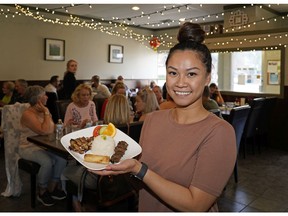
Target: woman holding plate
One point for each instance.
(188, 153)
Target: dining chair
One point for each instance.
(252, 125)
(265, 120)
(10, 124)
(98, 104)
(61, 106)
(133, 129)
(51, 105)
(217, 112)
(237, 118)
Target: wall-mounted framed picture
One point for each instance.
(116, 53)
(54, 49)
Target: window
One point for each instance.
(239, 71)
(161, 71)
(246, 71)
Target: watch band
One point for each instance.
(140, 175)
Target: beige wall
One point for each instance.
(22, 52)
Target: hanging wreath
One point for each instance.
(155, 43)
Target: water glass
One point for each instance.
(100, 122)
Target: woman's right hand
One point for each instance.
(132, 166)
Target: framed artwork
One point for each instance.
(115, 53)
(54, 49)
(273, 72)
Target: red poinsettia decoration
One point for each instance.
(155, 43)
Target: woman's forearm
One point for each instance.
(177, 196)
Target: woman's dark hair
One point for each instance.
(190, 37)
(206, 92)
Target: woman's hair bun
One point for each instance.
(191, 31)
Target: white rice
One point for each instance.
(103, 145)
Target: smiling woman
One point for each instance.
(183, 150)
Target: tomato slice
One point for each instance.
(96, 130)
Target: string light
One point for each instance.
(118, 26)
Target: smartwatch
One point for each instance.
(140, 175)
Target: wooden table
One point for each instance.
(50, 143)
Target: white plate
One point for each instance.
(133, 149)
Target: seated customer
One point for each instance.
(168, 104)
(119, 88)
(82, 110)
(215, 94)
(121, 79)
(53, 85)
(158, 92)
(100, 90)
(146, 102)
(118, 110)
(208, 103)
(20, 88)
(7, 89)
(36, 120)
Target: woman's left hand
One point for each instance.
(41, 108)
(127, 166)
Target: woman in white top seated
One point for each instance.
(36, 120)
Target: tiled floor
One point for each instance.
(262, 187)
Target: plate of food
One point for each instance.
(96, 147)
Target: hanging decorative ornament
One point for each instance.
(155, 43)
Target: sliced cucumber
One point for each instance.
(102, 129)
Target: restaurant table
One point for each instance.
(50, 143)
(225, 114)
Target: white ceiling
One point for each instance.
(148, 13)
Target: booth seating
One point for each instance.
(61, 106)
(238, 117)
(252, 125)
(98, 104)
(51, 105)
